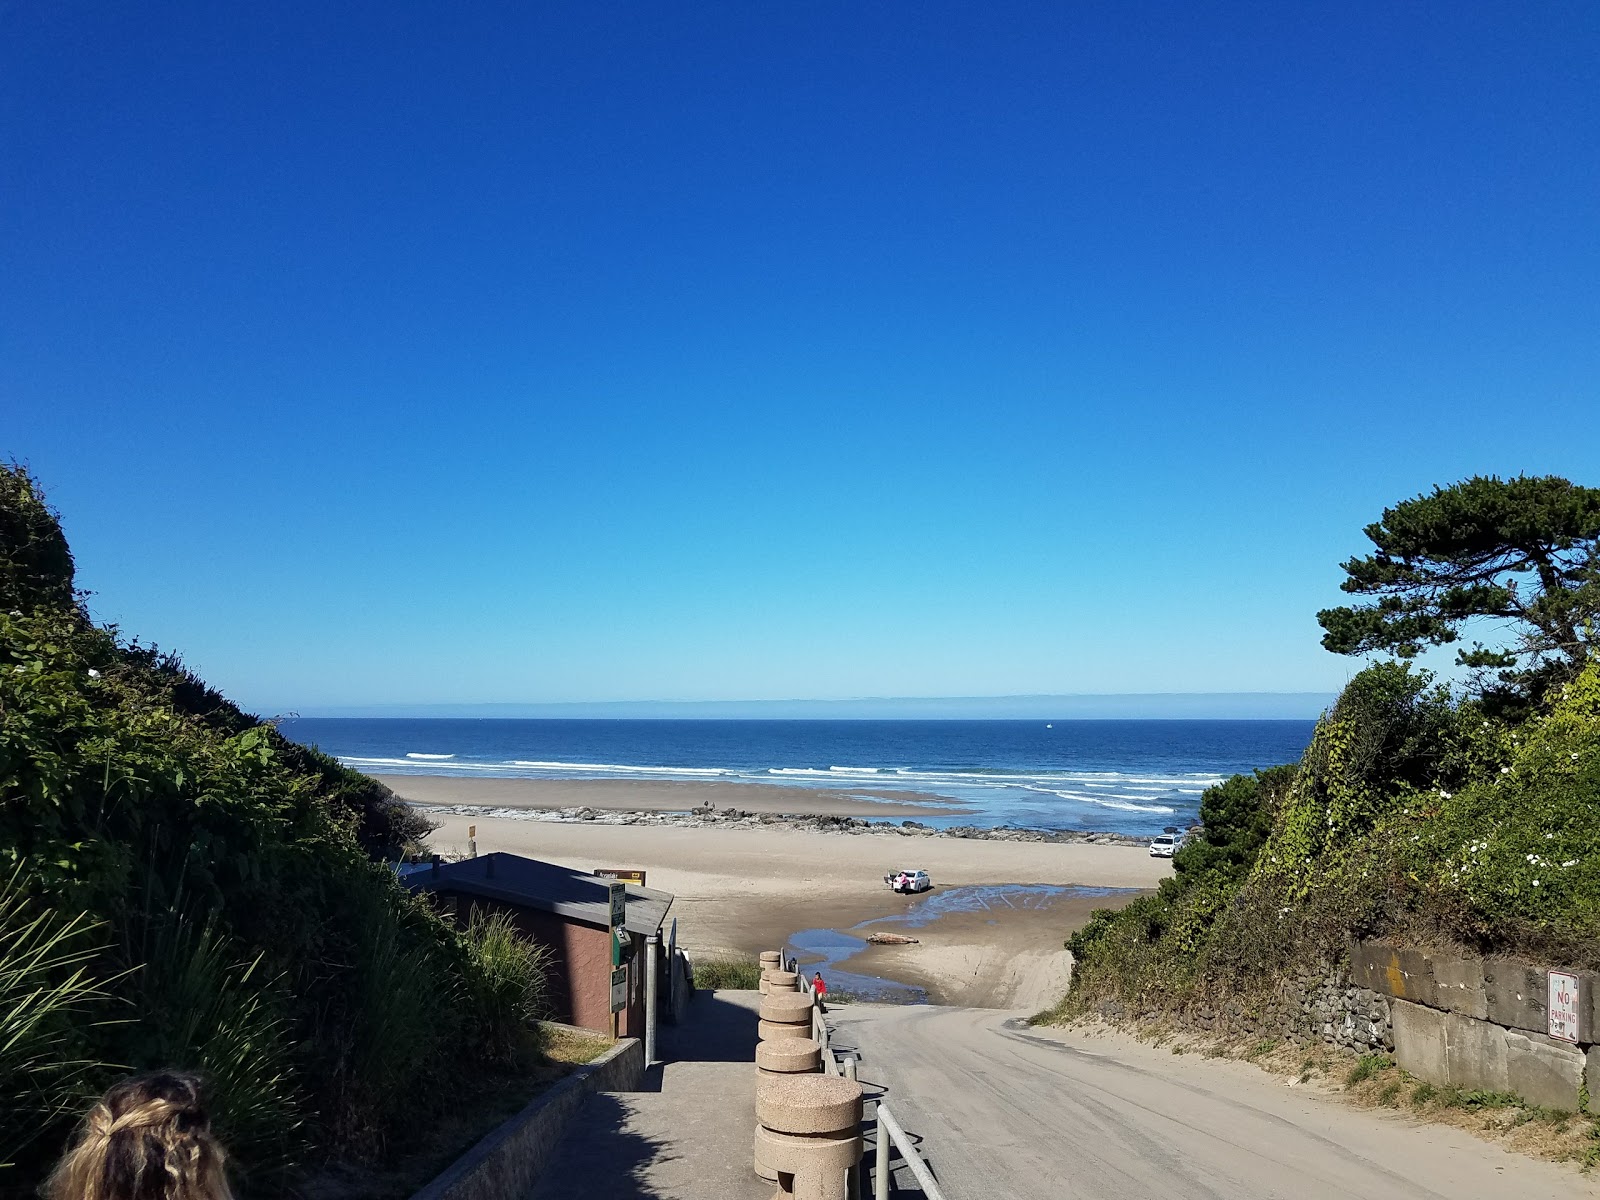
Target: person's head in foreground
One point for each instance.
(148, 1138)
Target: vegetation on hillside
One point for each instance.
(180, 886)
(1466, 819)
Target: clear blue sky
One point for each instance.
(395, 353)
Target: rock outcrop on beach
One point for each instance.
(734, 818)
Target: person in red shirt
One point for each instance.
(819, 985)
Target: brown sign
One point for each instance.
(634, 877)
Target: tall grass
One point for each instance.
(47, 994)
(740, 973)
(509, 978)
(206, 1005)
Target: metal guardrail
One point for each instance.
(890, 1134)
(889, 1131)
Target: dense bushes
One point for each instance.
(186, 888)
(1411, 814)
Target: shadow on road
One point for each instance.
(719, 1027)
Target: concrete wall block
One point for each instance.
(1420, 1043)
(1591, 1075)
(1458, 986)
(1514, 994)
(1475, 1055)
(1543, 1070)
(1589, 1011)
(1415, 981)
(1371, 964)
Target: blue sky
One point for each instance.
(386, 354)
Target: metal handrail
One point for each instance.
(889, 1130)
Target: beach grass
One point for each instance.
(730, 972)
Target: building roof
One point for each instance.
(533, 883)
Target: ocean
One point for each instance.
(1133, 777)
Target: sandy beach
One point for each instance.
(745, 890)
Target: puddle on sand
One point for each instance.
(822, 949)
(930, 906)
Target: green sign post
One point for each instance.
(619, 974)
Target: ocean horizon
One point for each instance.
(1113, 775)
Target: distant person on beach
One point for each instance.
(148, 1138)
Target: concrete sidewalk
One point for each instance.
(691, 1136)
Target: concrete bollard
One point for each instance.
(788, 1056)
(783, 1056)
(808, 1134)
(773, 980)
(776, 980)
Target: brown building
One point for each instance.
(566, 910)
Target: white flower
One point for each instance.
(1535, 883)
(93, 674)
(1505, 770)
(1571, 862)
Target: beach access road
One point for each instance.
(1008, 1111)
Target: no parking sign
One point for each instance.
(1563, 1006)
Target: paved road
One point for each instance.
(1013, 1112)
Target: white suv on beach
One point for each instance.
(1166, 845)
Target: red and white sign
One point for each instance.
(1563, 1006)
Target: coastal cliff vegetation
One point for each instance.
(181, 886)
(1466, 816)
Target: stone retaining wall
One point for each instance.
(1480, 1023)
(1312, 1006)
(507, 1162)
(1453, 1020)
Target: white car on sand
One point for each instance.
(1165, 845)
(909, 881)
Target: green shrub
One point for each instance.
(1410, 815)
(242, 925)
(1366, 1067)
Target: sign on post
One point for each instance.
(619, 989)
(619, 905)
(626, 874)
(1562, 1008)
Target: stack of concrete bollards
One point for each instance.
(773, 977)
(808, 1130)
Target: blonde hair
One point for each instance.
(148, 1138)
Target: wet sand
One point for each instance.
(636, 795)
(1003, 955)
